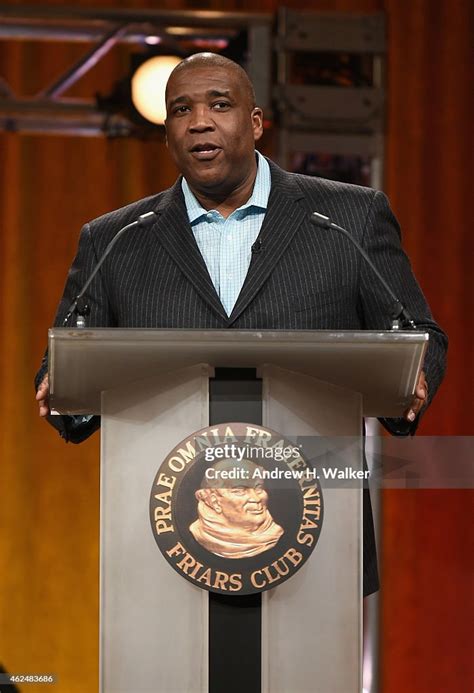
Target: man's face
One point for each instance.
(211, 129)
(244, 506)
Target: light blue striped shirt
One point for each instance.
(226, 244)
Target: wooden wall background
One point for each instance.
(49, 491)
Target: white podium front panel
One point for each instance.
(153, 623)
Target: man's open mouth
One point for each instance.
(205, 151)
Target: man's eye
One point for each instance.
(221, 105)
(180, 109)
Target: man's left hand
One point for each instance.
(419, 400)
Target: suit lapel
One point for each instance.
(282, 220)
(175, 234)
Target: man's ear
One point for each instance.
(257, 122)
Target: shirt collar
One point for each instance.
(258, 198)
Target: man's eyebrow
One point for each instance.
(211, 93)
(179, 99)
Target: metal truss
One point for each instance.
(337, 109)
(50, 111)
(308, 116)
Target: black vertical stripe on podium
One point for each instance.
(235, 623)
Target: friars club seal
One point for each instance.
(236, 509)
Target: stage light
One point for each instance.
(153, 40)
(148, 87)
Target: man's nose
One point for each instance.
(201, 120)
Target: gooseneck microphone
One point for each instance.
(400, 316)
(78, 305)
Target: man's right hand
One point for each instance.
(42, 397)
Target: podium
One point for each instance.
(155, 387)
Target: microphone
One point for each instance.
(79, 305)
(400, 315)
(257, 246)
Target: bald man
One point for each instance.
(194, 267)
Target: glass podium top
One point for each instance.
(383, 366)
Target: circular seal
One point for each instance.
(236, 509)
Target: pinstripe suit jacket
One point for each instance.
(303, 278)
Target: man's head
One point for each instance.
(212, 125)
(242, 502)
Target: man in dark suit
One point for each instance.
(233, 246)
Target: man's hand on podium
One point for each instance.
(419, 400)
(74, 429)
(42, 397)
